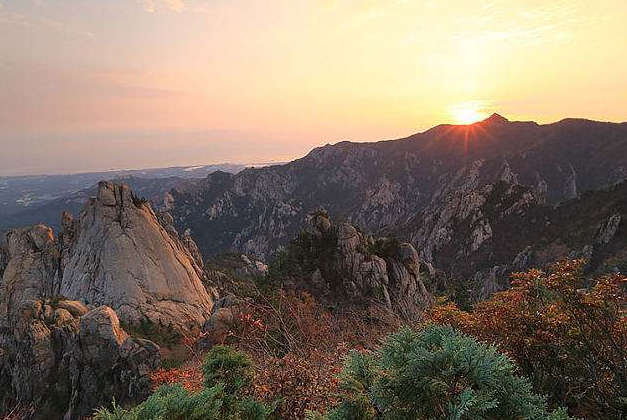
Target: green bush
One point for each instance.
(436, 374)
(234, 369)
(228, 374)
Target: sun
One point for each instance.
(467, 113)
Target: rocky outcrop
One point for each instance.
(55, 354)
(541, 190)
(497, 278)
(64, 365)
(408, 294)
(120, 255)
(105, 351)
(62, 302)
(463, 219)
(570, 186)
(507, 175)
(223, 320)
(30, 271)
(342, 263)
(481, 233)
(608, 229)
(457, 199)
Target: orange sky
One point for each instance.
(93, 84)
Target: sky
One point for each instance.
(91, 85)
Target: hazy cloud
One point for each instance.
(10, 17)
(176, 6)
(556, 20)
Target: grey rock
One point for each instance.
(73, 307)
(345, 261)
(105, 350)
(492, 280)
(541, 189)
(585, 253)
(481, 233)
(54, 353)
(408, 294)
(123, 257)
(507, 175)
(30, 271)
(608, 229)
(570, 185)
(524, 259)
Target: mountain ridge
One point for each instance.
(439, 175)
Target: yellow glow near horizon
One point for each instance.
(203, 80)
(467, 113)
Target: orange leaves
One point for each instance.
(297, 346)
(445, 312)
(250, 321)
(571, 336)
(189, 378)
(302, 383)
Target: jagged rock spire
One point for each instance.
(123, 257)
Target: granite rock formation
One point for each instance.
(339, 262)
(55, 354)
(121, 255)
(62, 302)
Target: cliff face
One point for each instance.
(57, 355)
(30, 273)
(510, 229)
(62, 301)
(120, 255)
(423, 188)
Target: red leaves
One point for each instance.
(304, 383)
(297, 345)
(189, 378)
(555, 326)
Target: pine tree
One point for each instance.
(228, 374)
(436, 374)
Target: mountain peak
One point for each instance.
(495, 118)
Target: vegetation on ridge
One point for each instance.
(438, 374)
(228, 378)
(566, 333)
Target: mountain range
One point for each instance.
(477, 201)
(91, 307)
(32, 199)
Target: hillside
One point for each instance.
(421, 188)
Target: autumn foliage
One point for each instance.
(297, 345)
(189, 377)
(564, 332)
(568, 334)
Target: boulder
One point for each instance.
(608, 229)
(107, 364)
